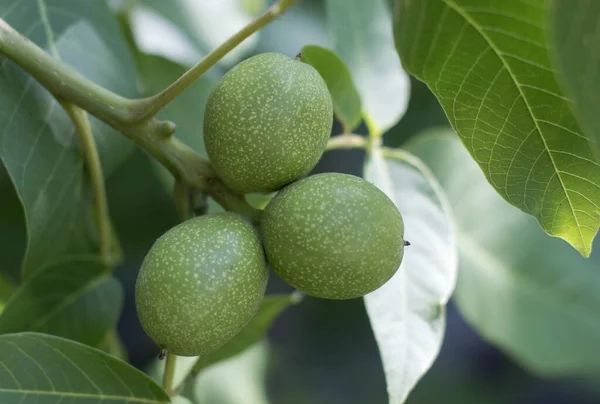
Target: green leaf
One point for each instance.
(38, 144)
(362, 34)
(85, 36)
(528, 293)
(408, 314)
(38, 368)
(346, 100)
(489, 66)
(270, 308)
(76, 299)
(575, 28)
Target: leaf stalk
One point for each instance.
(96, 177)
(169, 374)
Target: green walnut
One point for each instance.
(333, 236)
(201, 283)
(267, 123)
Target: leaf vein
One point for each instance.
(501, 55)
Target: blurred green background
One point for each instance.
(320, 352)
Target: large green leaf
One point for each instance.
(362, 33)
(346, 100)
(85, 36)
(76, 299)
(39, 368)
(37, 141)
(576, 37)
(488, 64)
(407, 314)
(530, 294)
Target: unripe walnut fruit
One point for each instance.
(267, 123)
(333, 236)
(201, 283)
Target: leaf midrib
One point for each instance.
(128, 399)
(384, 173)
(492, 46)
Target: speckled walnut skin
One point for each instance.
(333, 236)
(201, 283)
(267, 123)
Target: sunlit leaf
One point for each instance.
(489, 66)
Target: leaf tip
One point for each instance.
(583, 245)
